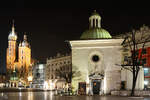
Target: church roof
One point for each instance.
(96, 33)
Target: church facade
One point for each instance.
(95, 59)
(18, 59)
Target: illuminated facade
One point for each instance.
(18, 59)
(95, 57)
(59, 62)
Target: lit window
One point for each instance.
(146, 72)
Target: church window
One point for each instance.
(95, 58)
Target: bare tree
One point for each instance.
(67, 73)
(135, 41)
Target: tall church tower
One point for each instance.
(24, 53)
(11, 50)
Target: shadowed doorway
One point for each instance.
(96, 86)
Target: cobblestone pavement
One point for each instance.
(50, 96)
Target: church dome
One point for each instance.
(95, 31)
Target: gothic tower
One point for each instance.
(11, 50)
(24, 53)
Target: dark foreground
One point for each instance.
(48, 95)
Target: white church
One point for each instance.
(94, 59)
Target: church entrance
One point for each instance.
(96, 86)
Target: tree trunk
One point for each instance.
(133, 85)
(134, 82)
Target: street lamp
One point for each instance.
(30, 80)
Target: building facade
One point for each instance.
(54, 65)
(95, 56)
(18, 59)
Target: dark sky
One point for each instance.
(48, 25)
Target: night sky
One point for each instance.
(48, 27)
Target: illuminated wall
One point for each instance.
(24, 56)
(11, 54)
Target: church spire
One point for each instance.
(25, 37)
(13, 27)
(12, 35)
